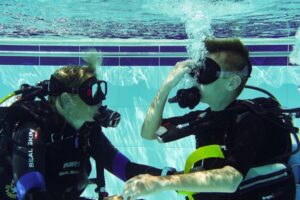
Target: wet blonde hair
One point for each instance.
(236, 59)
(74, 76)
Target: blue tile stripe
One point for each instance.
(253, 48)
(172, 49)
(139, 49)
(100, 48)
(60, 48)
(59, 61)
(139, 61)
(7, 60)
(18, 48)
(128, 60)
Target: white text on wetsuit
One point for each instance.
(71, 164)
(67, 171)
(30, 150)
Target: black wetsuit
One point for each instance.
(245, 143)
(55, 163)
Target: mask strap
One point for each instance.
(56, 87)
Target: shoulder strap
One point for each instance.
(40, 112)
(3, 133)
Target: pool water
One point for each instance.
(132, 97)
(148, 19)
(131, 89)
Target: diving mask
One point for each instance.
(92, 91)
(209, 71)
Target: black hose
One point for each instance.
(261, 90)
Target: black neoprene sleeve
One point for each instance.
(114, 161)
(28, 159)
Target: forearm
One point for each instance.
(153, 117)
(225, 180)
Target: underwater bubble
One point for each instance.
(197, 16)
(197, 23)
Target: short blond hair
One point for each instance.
(73, 76)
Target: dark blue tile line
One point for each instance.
(139, 49)
(139, 61)
(18, 48)
(130, 48)
(127, 61)
(100, 48)
(60, 48)
(7, 60)
(260, 61)
(270, 61)
(111, 62)
(106, 61)
(58, 61)
(170, 61)
(254, 48)
(172, 49)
